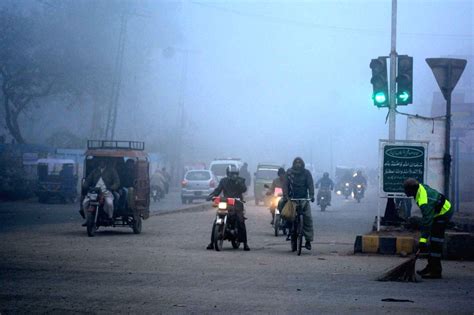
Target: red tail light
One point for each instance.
(212, 183)
(184, 183)
(231, 201)
(216, 201)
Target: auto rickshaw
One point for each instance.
(132, 198)
(57, 179)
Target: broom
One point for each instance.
(403, 272)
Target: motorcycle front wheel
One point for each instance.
(90, 224)
(218, 236)
(235, 244)
(276, 224)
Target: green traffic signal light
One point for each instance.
(403, 96)
(380, 98)
(404, 80)
(379, 82)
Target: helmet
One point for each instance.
(281, 171)
(326, 174)
(411, 187)
(232, 170)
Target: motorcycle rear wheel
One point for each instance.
(218, 237)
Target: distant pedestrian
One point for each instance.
(244, 172)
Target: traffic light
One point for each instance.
(379, 82)
(405, 80)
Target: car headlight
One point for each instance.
(222, 205)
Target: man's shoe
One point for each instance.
(273, 221)
(432, 275)
(246, 248)
(84, 224)
(424, 271)
(307, 245)
(210, 246)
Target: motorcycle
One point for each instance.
(96, 215)
(358, 192)
(279, 224)
(324, 196)
(156, 193)
(346, 190)
(225, 227)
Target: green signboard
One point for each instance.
(399, 163)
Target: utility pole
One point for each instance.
(390, 208)
(393, 69)
(117, 81)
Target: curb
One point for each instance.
(385, 245)
(195, 208)
(457, 245)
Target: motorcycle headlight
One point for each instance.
(222, 205)
(338, 192)
(347, 184)
(93, 196)
(359, 186)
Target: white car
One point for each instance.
(197, 184)
(219, 166)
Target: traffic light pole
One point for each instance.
(393, 69)
(390, 209)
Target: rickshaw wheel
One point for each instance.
(137, 224)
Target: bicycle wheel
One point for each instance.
(300, 234)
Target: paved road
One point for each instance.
(31, 214)
(166, 269)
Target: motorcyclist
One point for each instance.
(325, 185)
(299, 184)
(357, 179)
(106, 178)
(232, 186)
(277, 183)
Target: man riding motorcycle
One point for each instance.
(299, 184)
(232, 186)
(106, 178)
(359, 179)
(325, 185)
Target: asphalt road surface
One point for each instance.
(54, 267)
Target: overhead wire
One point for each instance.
(276, 19)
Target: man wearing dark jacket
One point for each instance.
(232, 186)
(298, 185)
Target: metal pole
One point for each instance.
(390, 207)
(393, 63)
(447, 141)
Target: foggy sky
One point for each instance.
(270, 80)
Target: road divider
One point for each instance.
(457, 245)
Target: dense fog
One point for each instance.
(259, 80)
